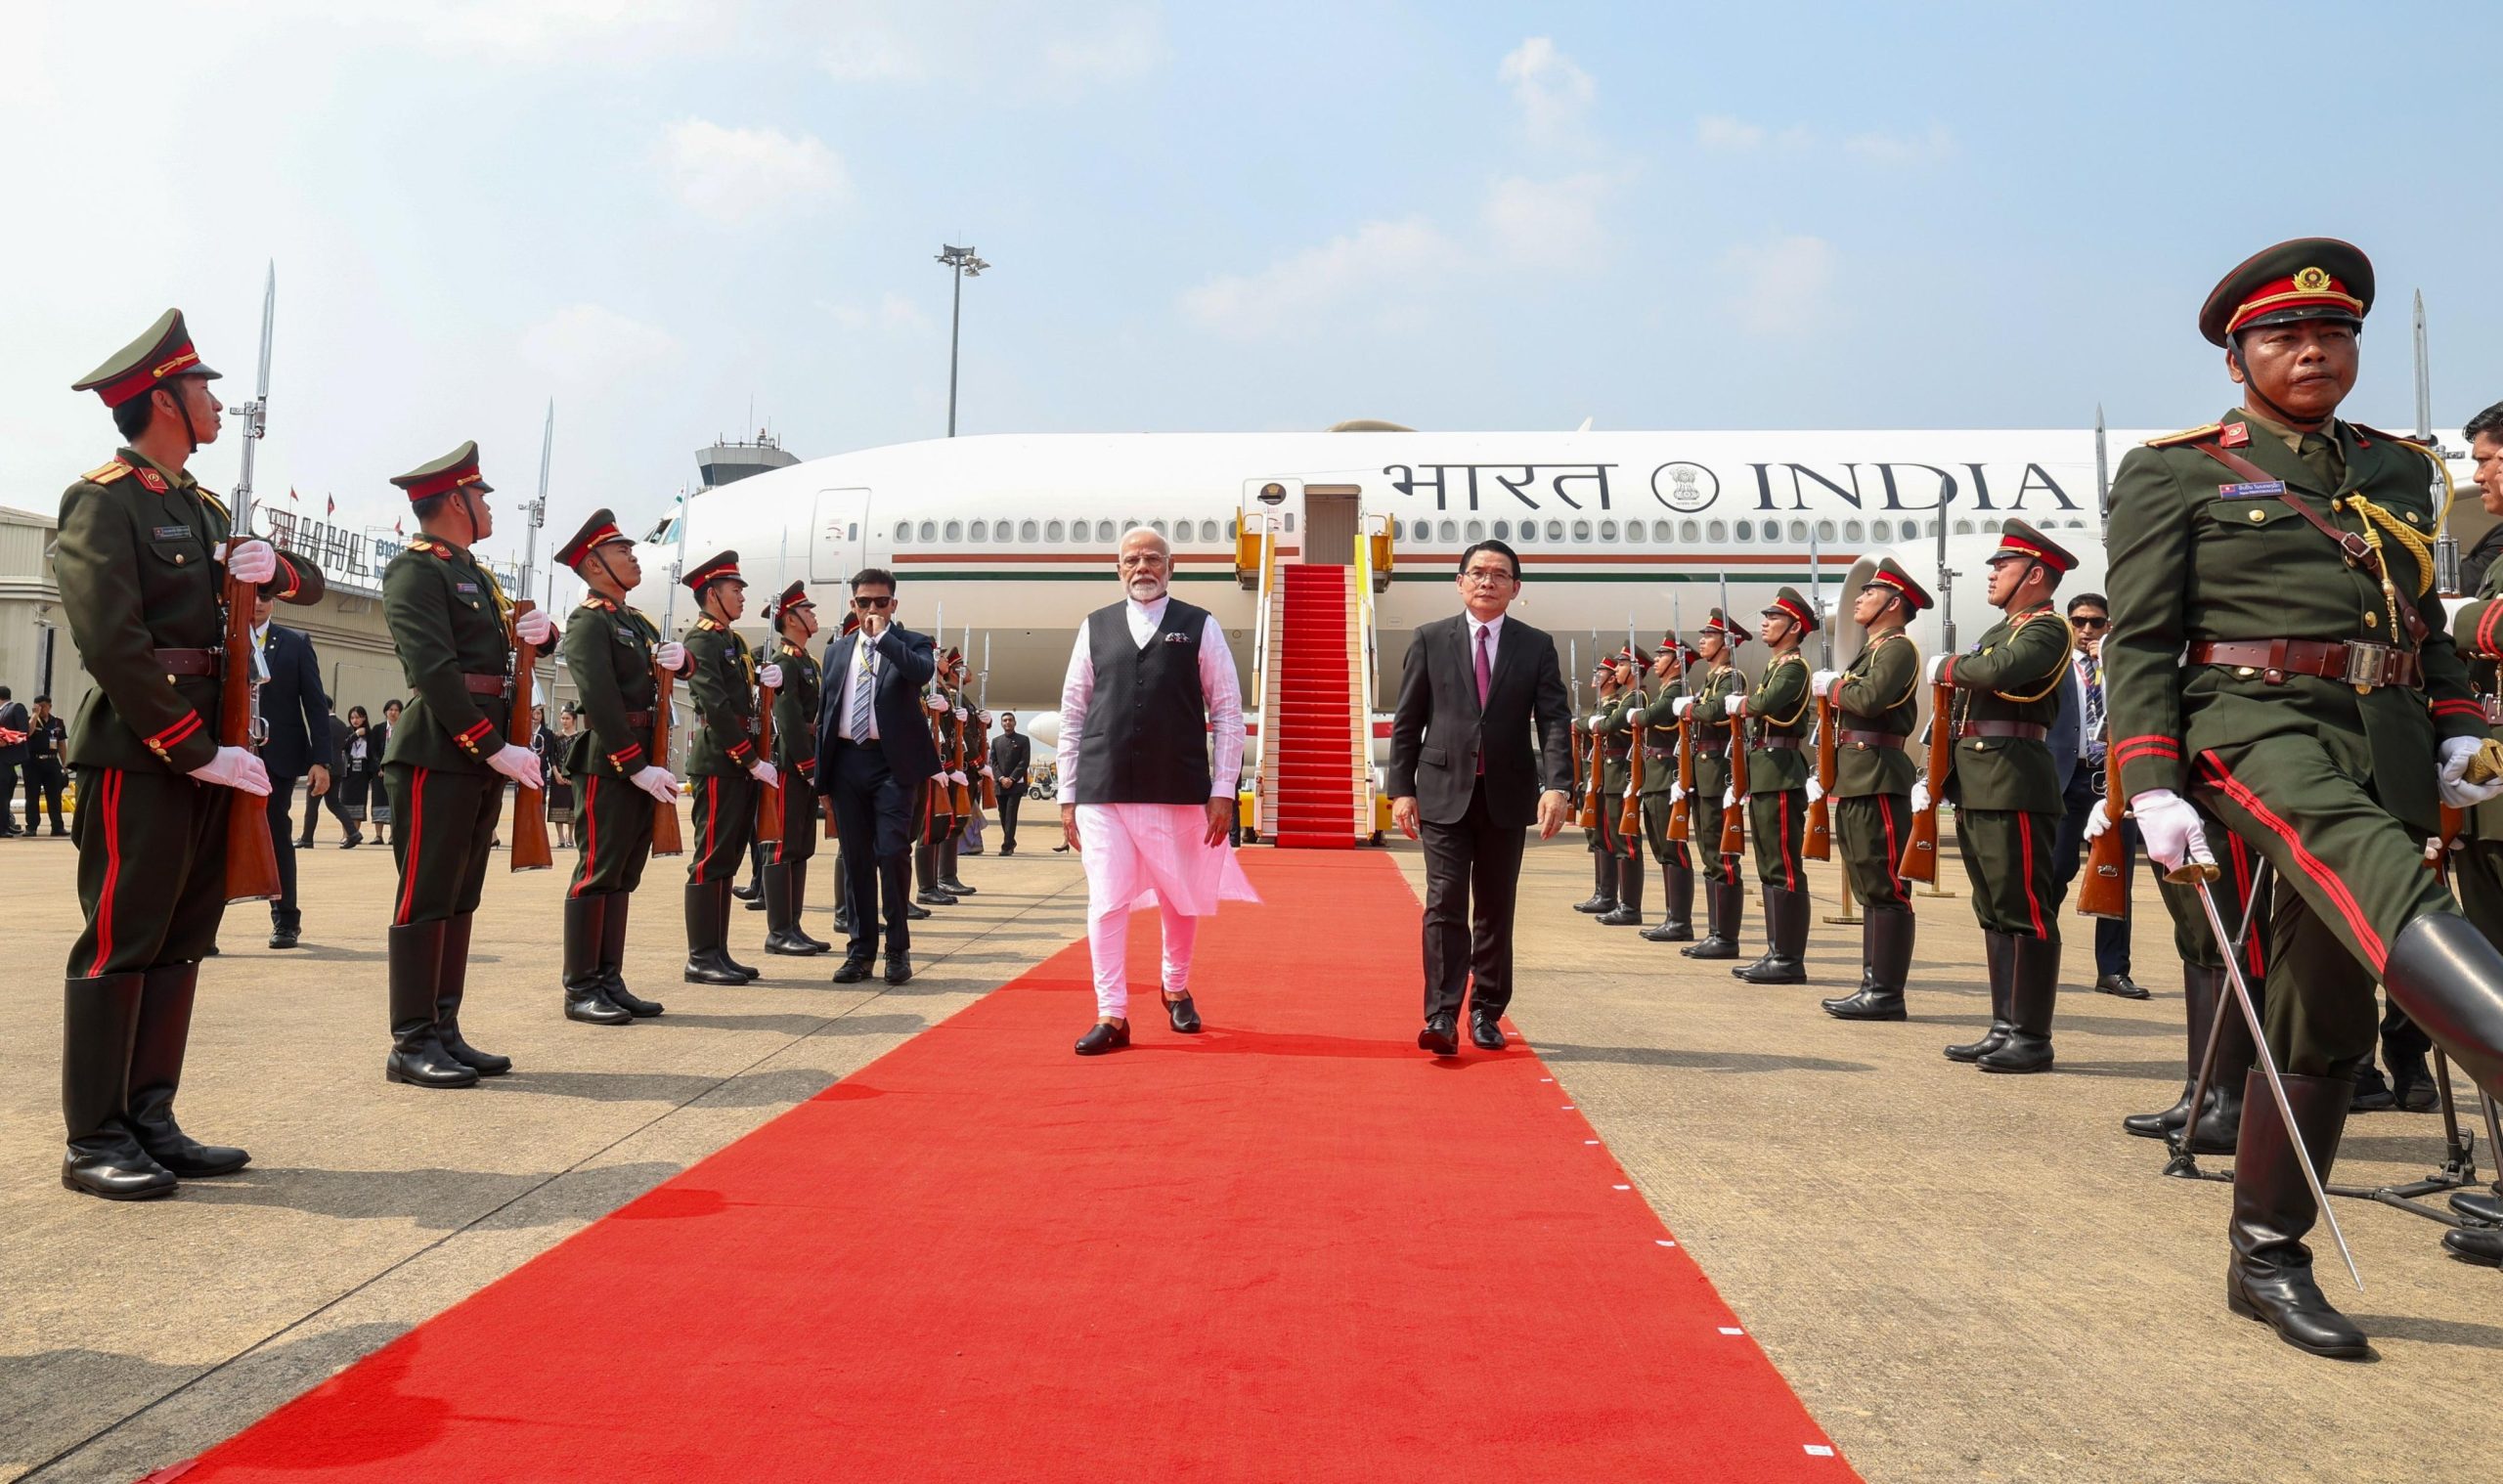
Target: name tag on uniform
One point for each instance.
(172, 533)
(2257, 488)
(466, 590)
(626, 636)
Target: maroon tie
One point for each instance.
(1485, 673)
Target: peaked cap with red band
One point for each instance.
(1791, 605)
(1719, 623)
(596, 531)
(1891, 575)
(164, 352)
(1685, 652)
(2312, 278)
(723, 568)
(796, 594)
(2017, 539)
(455, 471)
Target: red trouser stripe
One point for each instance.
(2025, 835)
(2241, 855)
(414, 832)
(711, 818)
(112, 870)
(1893, 852)
(2311, 865)
(1789, 872)
(591, 833)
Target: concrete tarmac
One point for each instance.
(1965, 1276)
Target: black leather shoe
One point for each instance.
(2372, 1094)
(1668, 931)
(121, 1172)
(1101, 1037)
(1441, 1037)
(1596, 904)
(1871, 1004)
(590, 1005)
(2269, 1277)
(934, 899)
(283, 938)
(1622, 915)
(2478, 1206)
(854, 969)
(2120, 984)
(752, 892)
(913, 913)
(100, 1019)
(1184, 1016)
(954, 888)
(1485, 1032)
(1999, 959)
(2482, 1246)
(899, 969)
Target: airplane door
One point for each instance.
(1330, 522)
(841, 545)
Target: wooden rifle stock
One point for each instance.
(1628, 820)
(665, 839)
(981, 760)
(957, 792)
(1819, 845)
(1681, 813)
(251, 856)
(768, 796)
(1588, 770)
(1733, 819)
(2449, 822)
(529, 804)
(1921, 852)
(2102, 893)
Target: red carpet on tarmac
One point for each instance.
(1294, 1248)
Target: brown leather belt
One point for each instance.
(487, 684)
(1851, 738)
(1659, 754)
(190, 662)
(2366, 667)
(2030, 731)
(639, 718)
(1719, 744)
(1780, 744)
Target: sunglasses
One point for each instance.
(873, 603)
(2092, 623)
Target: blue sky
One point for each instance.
(1201, 217)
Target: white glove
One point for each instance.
(535, 628)
(962, 713)
(2171, 828)
(1816, 791)
(2433, 848)
(2457, 791)
(235, 767)
(985, 719)
(765, 773)
(655, 781)
(957, 779)
(1728, 798)
(2099, 819)
(1824, 681)
(1921, 796)
(1679, 705)
(669, 655)
(938, 706)
(770, 674)
(519, 764)
(1736, 706)
(1937, 663)
(251, 561)
(1677, 793)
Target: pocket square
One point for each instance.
(1177, 639)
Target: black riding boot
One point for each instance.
(1999, 954)
(418, 1056)
(2449, 979)
(2032, 991)
(708, 927)
(612, 958)
(100, 1025)
(753, 894)
(924, 875)
(948, 881)
(2269, 1275)
(586, 987)
(798, 872)
(1885, 961)
(1723, 901)
(1628, 912)
(157, 1071)
(782, 918)
(1785, 936)
(448, 994)
(1676, 905)
(2221, 1120)
(1602, 897)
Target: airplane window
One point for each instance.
(1290, 522)
(1231, 534)
(981, 531)
(1529, 532)
(1477, 530)
(1581, 530)
(1634, 533)
(956, 531)
(1799, 532)
(1715, 531)
(1451, 531)
(852, 532)
(928, 531)
(1025, 531)
(1879, 530)
(1963, 528)
(1051, 530)
(904, 532)
(1933, 529)
(1159, 528)
(1690, 532)
(1825, 530)
(1503, 530)
(1608, 530)
(1853, 529)
(1745, 530)
(1660, 530)
(1207, 531)
(1555, 530)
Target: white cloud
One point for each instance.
(870, 51)
(1780, 287)
(1379, 260)
(1554, 94)
(591, 344)
(741, 174)
(1013, 50)
(1549, 224)
(1934, 144)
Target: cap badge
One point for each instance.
(2312, 279)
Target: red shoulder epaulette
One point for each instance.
(2409, 438)
(108, 474)
(2187, 435)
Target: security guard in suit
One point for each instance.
(1723, 895)
(2278, 657)
(1616, 781)
(723, 767)
(1780, 718)
(448, 761)
(795, 757)
(1657, 734)
(137, 561)
(2006, 788)
(615, 655)
(1876, 707)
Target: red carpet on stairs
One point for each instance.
(1313, 730)
(1294, 1248)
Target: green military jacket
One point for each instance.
(2197, 556)
(795, 708)
(137, 565)
(1711, 720)
(1782, 706)
(1600, 721)
(450, 620)
(2479, 626)
(608, 651)
(2014, 675)
(722, 677)
(1657, 734)
(1617, 741)
(1880, 692)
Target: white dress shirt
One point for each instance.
(852, 729)
(1223, 695)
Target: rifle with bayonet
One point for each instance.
(1681, 810)
(1820, 844)
(1734, 815)
(252, 859)
(1629, 820)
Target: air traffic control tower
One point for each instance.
(728, 463)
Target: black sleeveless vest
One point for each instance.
(1147, 728)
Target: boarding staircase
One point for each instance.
(1314, 655)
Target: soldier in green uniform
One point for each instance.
(1657, 734)
(1605, 703)
(1616, 784)
(137, 561)
(2006, 788)
(2278, 655)
(610, 650)
(448, 761)
(1876, 704)
(723, 769)
(795, 758)
(1723, 895)
(953, 720)
(1781, 722)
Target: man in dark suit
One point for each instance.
(15, 725)
(874, 758)
(1012, 757)
(328, 799)
(1464, 775)
(299, 715)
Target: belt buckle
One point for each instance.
(2369, 665)
(2493, 705)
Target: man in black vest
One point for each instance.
(1151, 736)
(1012, 757)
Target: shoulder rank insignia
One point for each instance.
(153, 481)
(108, 473)
(2187, 435)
